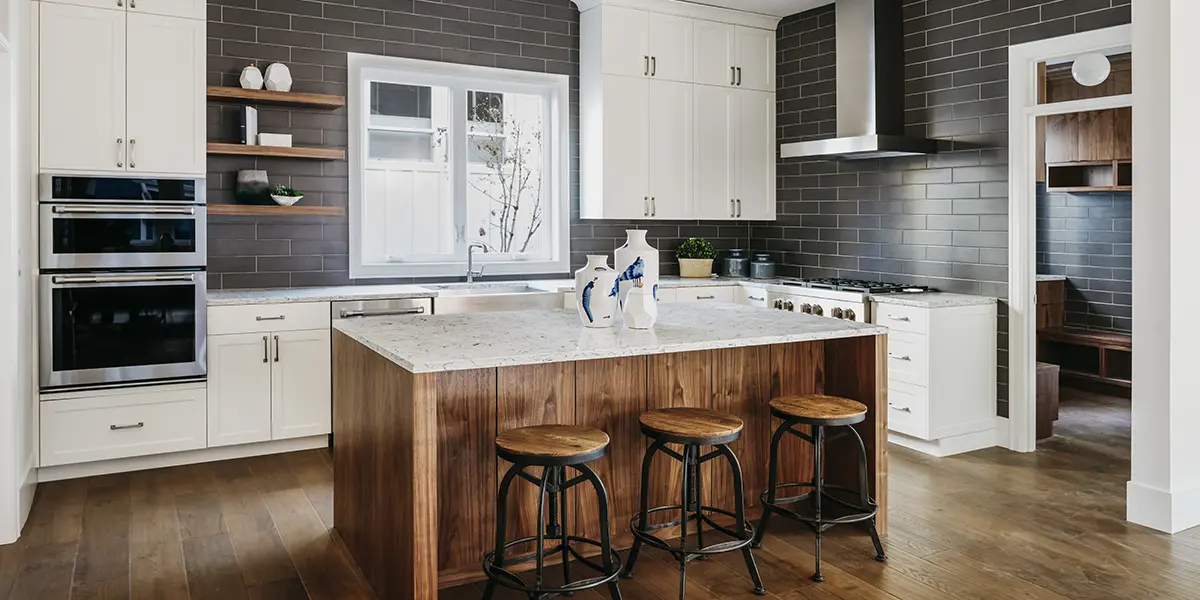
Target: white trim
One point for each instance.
(174, 459)
(1023, 110)
(951, 445)
(1167, 511)
(705, 11)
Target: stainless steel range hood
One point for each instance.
(870, 87)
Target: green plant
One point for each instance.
(695, 248)
(283, 190)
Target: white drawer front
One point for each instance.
(902, 318)
(134, 422)
(704, 294)
(908, 358)
(252, 318)
(754, 296)
(908, 410)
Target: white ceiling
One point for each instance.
(777, 8)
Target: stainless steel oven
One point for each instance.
(122, 327)
(94, 189)
(122, 236)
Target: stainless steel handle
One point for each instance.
(732, 75)
(653, 207)
(706, 297)
(756, 299)
(899, 357)
(899, 408)
(276, 348)
(137, 425)
(278, 318)
(731, 209)
(646, 65)
(654, 66)
(895, 318)
(646, 206)
(122, 210)
(68, 279)
(132, 149)
(120, 142)
(266, 349)
(739, 76)
(132, 3)
(351, 314)
(119, 3)
(739, 208)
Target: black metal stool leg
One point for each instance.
(539, 550)
(644, 514)
(501, 525)
(698, 499)
(818, 490)
(739, 500)
(772, 481)
(605, 526)
(864, 494)
(561, 479)
(683, 513)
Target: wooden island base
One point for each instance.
(416, 472)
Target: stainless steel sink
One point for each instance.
(476, 297)
(485, 290)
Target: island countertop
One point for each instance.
(498, 339)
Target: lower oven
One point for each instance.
(118, 328)
(120, 236)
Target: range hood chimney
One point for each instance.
(870, 87)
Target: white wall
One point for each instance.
(1164, 490)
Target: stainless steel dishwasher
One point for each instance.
(353, 309)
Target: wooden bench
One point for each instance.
(1097, 360)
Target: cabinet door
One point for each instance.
(670, 145)
(671, 47)
(1123, 133)
(626, 156)
(756, 58)
(239, 389)
(81, 88)
(1062, 134)
(714, 147)
(301, 396)
(165, 83)
(625, 45)
(187, 9)
(713, 48)
(755, 155)
(1095, 135)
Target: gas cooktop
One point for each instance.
(854, 285)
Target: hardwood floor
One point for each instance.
(991, 524)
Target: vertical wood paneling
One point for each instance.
(676, 380)
(796, 369)
(741, 385)
(466, 467)
(856, 368)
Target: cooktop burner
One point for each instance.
(856, 285)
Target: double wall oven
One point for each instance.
(122, 280)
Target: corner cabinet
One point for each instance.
(677, 113)
(121, 87)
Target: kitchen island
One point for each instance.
(418, 403)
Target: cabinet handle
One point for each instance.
(137, 425)
(653, 66)
(899, 408)
(739, 208)
(646, 206)
(132, 148)
(653, 207)
(895, 318)
(276, 348)
(279, 318)
(739, 73)
(646, 65)
(756, 299)
(120, 143)
(732, 75)
(266, 349)
(898, 357)
(731, 212)
(120, 3)
(132, 3)
(706, 297)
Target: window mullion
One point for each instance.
(458, 168)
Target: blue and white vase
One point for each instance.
(641, 309)
(596, 292)
(636, 260)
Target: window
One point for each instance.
(445, 156)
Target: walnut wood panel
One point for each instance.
(674, 380)
(1096, 136)
(466, 415)
(277, 151)
(1062, 87)
(530, 395)
(385, 466)
(1050, 303)
(796, 369)
(741, 385)
(856, 368)
(610, 395)
(1123, 133)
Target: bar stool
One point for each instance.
(819, 411)
(554, 448)
(693, 428)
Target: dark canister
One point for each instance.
(737, 264)
(762, 267)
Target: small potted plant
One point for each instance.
(695, 258)
(284, 195)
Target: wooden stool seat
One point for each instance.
(695, 426)
(552, 444)
(819, 409)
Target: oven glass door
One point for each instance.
(116, 328)
(155, 190)
(89, 236)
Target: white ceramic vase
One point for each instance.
(596, 292)
(251, 78)
(641, 309)
(278, 78)
(637, 259)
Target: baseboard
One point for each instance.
(947, 446)
(157, 461)
(1166, 511)
(28, 489)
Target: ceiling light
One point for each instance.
(1091, 69)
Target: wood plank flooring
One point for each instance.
(991, 524)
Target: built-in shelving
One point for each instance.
(268, 210)
(276, 151)
(293, 99)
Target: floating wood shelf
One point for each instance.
(296, 99)
(276, 151)
(268, 210)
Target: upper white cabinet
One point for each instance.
(187, 9)
(677, 113)
(121, 89)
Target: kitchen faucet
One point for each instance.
(471, 272)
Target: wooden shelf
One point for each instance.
(296, 99)
(268, 210)
(276, 151)
(1083, 188)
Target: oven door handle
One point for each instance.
(74, 279)
(120, 210)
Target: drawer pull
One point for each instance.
(279, 318)
(898, 357)
(137, 425)
(266, 349)
(895, 318)
(756, 299)
(706, 297)
(899, 408)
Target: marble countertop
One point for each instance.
(932, 300)
(318, 294)
(1041, 277)
(498, 339)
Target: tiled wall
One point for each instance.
(940, 219)
(1088, 238)
(312, 38)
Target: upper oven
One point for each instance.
(120, 236)
(89, 189)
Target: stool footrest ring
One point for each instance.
(864, 513)
(683, 552)
(513, 581)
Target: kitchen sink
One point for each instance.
(492, 297)
(475, 289)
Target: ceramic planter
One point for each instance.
(636, 260)
(695, 267)
(286, 200)
(596, 292)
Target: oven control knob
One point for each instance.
(806, 308)
(817, 310)
(836, 313)
(850, 316)
(789, 306)
(779, 304)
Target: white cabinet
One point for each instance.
(188, 9)
(638, 43)
(734, 154)
(622, 145)
(714, 293)
(750, 295)
(121, 90)
(300, 384)
(671, 47)
(754, 171)
(239, 389)
(755, 58)
(734, 56)
(670, 149)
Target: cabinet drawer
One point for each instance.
(704, 294)
(666, 294)
(252, 318)
(908, 358)
(902, 318)
(753, 296)
(103, 425)
(908, 410)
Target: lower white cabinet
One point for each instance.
(239, 389)
(301, 384)
(704, 294)
(753, 296)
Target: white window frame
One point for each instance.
(364, 68)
